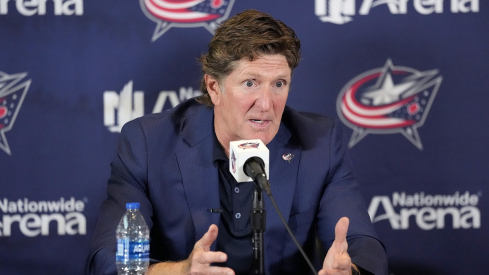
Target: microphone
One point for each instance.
(249, 160)
(253, 168)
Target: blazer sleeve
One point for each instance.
(127, 183)
(342, 198)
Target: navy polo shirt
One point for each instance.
(234, 236)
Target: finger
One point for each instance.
(341, 230)
(209, 237)
(210, 257)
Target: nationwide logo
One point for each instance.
(12, 94)
(427, 211)
(34, 218)
(388, 100)
(30, 8)
(186, 14)
(129, 104)
(342, 11)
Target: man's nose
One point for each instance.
(264, 100)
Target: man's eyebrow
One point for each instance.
(254, 75)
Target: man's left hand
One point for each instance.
(337, 260)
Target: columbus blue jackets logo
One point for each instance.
(12, 93)
(287, 157)
(388, 100)
(249, 145)
(186, 14)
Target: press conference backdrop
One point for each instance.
(407, 80)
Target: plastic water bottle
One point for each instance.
(132, 255)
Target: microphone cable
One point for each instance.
(292, 234)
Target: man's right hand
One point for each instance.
(199, 261)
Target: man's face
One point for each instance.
(249, 102)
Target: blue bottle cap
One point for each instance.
(132, 205)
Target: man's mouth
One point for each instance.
(257, 121)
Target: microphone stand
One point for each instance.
(253, 168)
(258, 222)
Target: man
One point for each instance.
(175, 164)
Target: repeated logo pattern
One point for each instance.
(186, 14)
(387, 100)
(12, 93)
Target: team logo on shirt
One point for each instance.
(186, 14)
(287, 157)
(388, 100)
(12, 93)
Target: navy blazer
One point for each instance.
(164, 162)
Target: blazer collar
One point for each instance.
(197, 124)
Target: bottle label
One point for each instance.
(132, 250)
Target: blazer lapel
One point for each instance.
(283, 175)
(199, 175)
(284, 167)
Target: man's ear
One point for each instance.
(213, 89)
